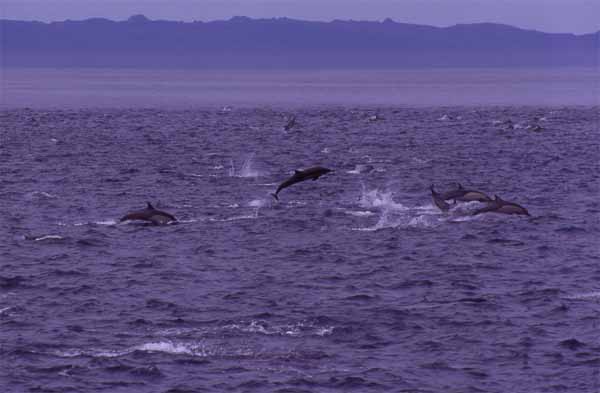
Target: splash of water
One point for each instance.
(246, 170)
(378, 199)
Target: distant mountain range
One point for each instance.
(278, 43)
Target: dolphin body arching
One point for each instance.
(498, 205)
(439, 201)
(311, 173)
(149, 214)
(465, 195)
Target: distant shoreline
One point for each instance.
(266, 44)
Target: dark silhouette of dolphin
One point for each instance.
(149, 214)
(291, 123)
(464, 195)
(439, 201)
(498, 205)
(311, 173)
(453, 194)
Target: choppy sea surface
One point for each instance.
(354, 282)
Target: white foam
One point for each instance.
(101, 222)
(257, 203)
(359, 213)
(69, 353)
(361, 168)
(173, 348)
(41, 194)
(325, 331)
(48, 237)
(420, 160)
(585, 296)
(188, 221)
(378, 199)
(423, 221)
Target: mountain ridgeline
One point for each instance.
(286, 43)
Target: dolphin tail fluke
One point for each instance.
(274, 195)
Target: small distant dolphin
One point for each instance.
(311, 173)
(291, 123)
(498, 205)
(375, 118)
(464, 195)
(439, 200)
(149, 214)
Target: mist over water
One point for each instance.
(355, 281)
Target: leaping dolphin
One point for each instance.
(311, 173)
(149, 214)
(291, 123)
(439, 200)
(498, 205)
(464, 195)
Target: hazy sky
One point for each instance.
(573, 16)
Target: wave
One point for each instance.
(43, 238)
(595, 295)
(254, 326)
(235, 218)
(40, 194)
(101, 222)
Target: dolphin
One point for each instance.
(291, 123)
(311, 173)
(453, 194)
(438, 200)
(465, 195)
(149, 214)
(498, 205)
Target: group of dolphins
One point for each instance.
(496, 205)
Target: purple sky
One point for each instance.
(572, 16)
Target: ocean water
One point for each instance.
(174, 89)
(354, 282)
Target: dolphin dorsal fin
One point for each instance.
(297, 171)
(149, 206)
(460, 187)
